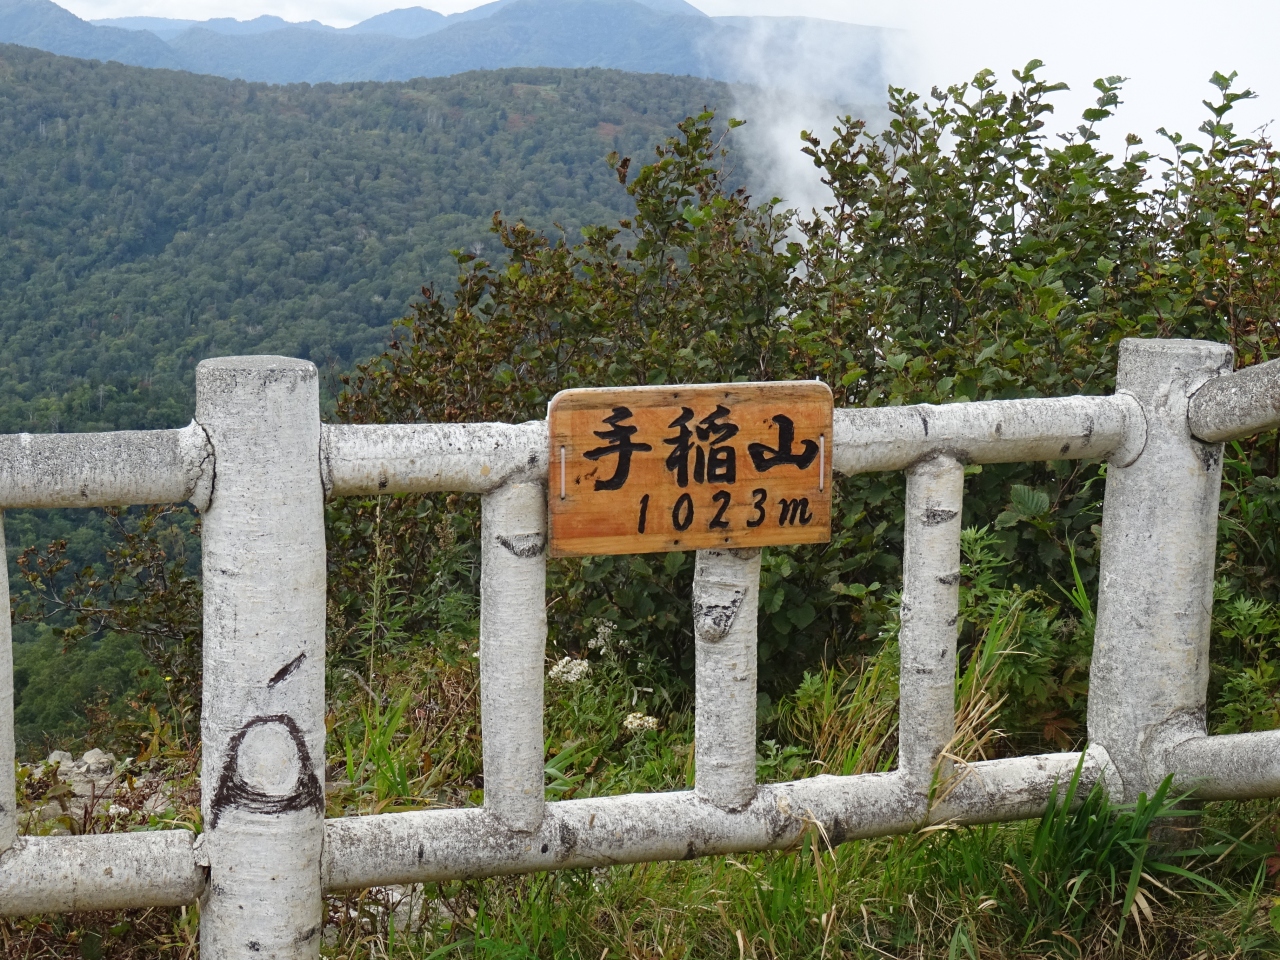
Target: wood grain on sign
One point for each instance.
(649, 469)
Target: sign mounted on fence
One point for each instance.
(650, 469)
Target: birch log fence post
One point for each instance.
(929, 610)
(513, 643)
(262, 773)
(1150, 670)
(8, 776)
(726, 595)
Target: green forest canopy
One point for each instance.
(150, 218)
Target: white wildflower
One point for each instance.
(638, 722)
(599, 878)
(604, 636)
(118, 810)
(569, 670)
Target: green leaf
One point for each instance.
(1007, 519)
(802, 616)
(1029, 502)
(671, 563)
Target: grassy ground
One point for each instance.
(1086, 881)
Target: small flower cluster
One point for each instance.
(604, 637)
(446, 536)
(639, 722)
(569, 670)
(599, 878)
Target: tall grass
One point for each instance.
(1086, 880)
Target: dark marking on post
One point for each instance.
(566, 840)
(1209, 454)
(713, 620)
(306, 935)
(533, 459)
(1066, 448)
(382, 483)
(950, 580)
(837, 831)
(285, 672)
(933, 516)
(422, 852)
(526, 546)
(545, 848)
(1088, 429)
(690, 852)
(952, 622)
(999, 428)
(255, 946)
(235, 792)
(925, 423)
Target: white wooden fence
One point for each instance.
(258, 463)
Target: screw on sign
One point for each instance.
(651, 469)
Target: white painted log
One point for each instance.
(513, 651)
(869, 439)
(1150, 668)
(361, 460)
(1242, 766)
(930, 607)
(726, 600)
(1237, 405)
(480, 457)
(439, 845)
(262, 775)
(109, 871)
(1017, 788)
(124, 468)
(8, 754)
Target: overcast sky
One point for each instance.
(1167, 48)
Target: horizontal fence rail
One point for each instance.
(258, 463)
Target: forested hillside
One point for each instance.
(149, 218)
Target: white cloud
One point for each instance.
(1168, 49)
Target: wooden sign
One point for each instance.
(648, 469)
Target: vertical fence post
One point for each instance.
(1150, 670)
(513, 651)
(262, 775)
(930, 608)
(726, 598)
(8, 783)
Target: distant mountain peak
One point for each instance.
(676, 7)
(408, 23)
(834, 61)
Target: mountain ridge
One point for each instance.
(44, 25)
(648, 36)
